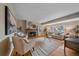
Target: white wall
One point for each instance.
(2, 22)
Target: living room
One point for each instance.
(39, 29)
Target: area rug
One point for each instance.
(45, 46)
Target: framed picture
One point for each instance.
(10, 23)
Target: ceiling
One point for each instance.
(42, 12)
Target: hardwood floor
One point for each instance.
(14, 53)
(60, 52)
(57, 52)
(70, 52)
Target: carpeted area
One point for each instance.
(44, 46)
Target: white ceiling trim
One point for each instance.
(65, 21)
